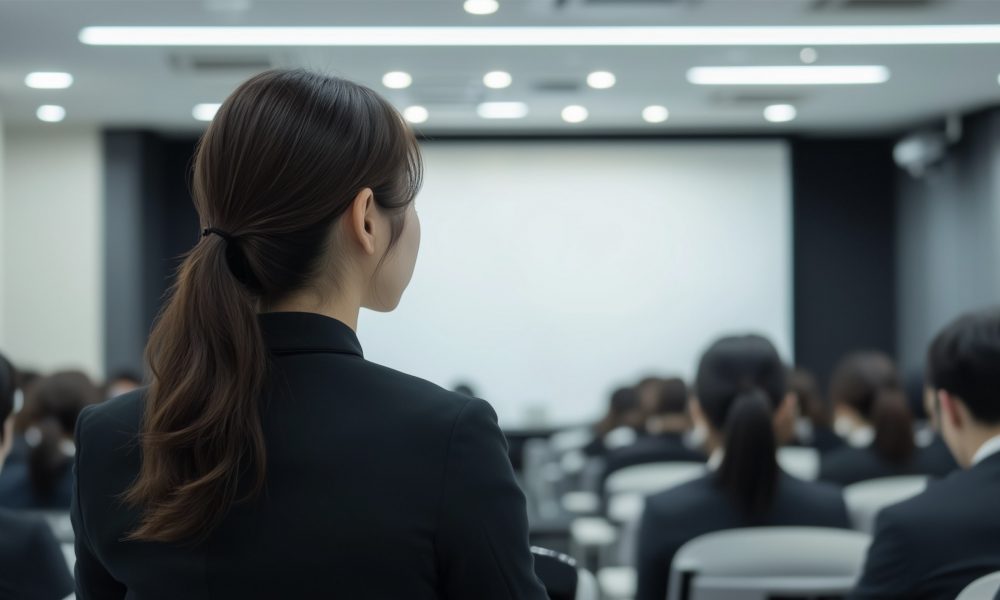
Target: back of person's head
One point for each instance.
(963, 367)
(741, 383)
(51, 409)
(304, 185)
(465, 389)
(624, 410)
(122, 382)
(8, 389)
(869, 385)
(802, 384)
(671, 398)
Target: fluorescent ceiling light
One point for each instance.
(50, 113)
(780, 113)
(48, 80)
(416, 114)
(797, 75)
(502, 110)
(397, 80)
(206, 111)
(655, 114)
(601, 80)
(847, 35)
(575, 114)
(481, 7)
(497, 80)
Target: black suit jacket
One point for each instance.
(32, 566)
(677, 516)
(933, 545)
(665, 447)
(849, 465)
(379, 485)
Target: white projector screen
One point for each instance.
(551, 272)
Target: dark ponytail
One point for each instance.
(51, 409)
(283, 159)
(868, 383)
(740, 383)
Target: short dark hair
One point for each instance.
(8, 388)
(671, 397)
(964, 360)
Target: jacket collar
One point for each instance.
(300, 333)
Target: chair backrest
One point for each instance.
(984, 588)
(866, 498)
(650, 478)
(799, 462)
(570, 439)
(766, 561)
(69, 553)
(586, 586)
(557, 572)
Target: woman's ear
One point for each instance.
(361, 216)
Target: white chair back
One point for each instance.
(760, 562)
(570, 439)
(69, 553)
(984, 588)
(866, 498)
(650, 478)
(799, 462)
(586, 586)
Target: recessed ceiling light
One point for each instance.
(416, 114)
(205, 111)
(575, 113)
(497, 79)
(601, 80)
(780, 113)
(397, 80)
(48, 80)
(834, 35)
(502, 110)
(50, 113)
(655, 114)
(481, 7)
(795, 75)
(808, 55)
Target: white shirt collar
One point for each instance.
(715, 460)
(989, 448)
(861, 437)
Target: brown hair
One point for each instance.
(869, 383)
(283, 159)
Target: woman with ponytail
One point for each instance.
(44, 480)
(741, 397)
(268, 458)
(874, 418)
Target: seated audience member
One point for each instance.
(740, 396)
(620, 425)
(665, 429)
(45, 480)
(868, 396)
(814, 428)
(32, 566)
(935, 454)
(935, 544)
(120, 383)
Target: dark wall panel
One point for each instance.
(844, 249)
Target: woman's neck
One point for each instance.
(344, 308)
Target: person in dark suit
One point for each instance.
(620, 426)
(935, 544)
(741, 396)
(268, 458)
(43, 478)
(32, 566)
(814, 428)
(666, 427)
(868, 393)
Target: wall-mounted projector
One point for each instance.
(918, 152)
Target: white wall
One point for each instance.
(51, 249)
(552, 271)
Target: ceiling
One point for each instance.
(156, 87)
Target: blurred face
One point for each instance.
(393, 275)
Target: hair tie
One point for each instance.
(222, 234)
